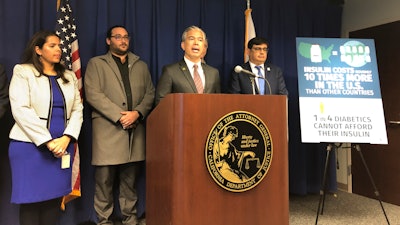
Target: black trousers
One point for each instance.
(40, 213)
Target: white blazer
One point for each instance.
(30, 100)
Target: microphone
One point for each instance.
(239, 69)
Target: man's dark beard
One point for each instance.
(119, 52)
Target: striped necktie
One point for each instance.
(197, 79)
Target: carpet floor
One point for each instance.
(341, 208)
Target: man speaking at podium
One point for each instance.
(256, 76)
(189, 75)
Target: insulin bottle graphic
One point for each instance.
(316, 54)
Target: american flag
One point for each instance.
(66, 30)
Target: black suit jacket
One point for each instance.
(241, 83)
(176, 78)
(4, 100)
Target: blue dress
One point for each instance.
(36, 174)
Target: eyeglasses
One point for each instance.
(119, 37)
(259, 49)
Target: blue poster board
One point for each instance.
(339, 91)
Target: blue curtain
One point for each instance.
(156, 27)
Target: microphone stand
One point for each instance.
(252, 76)
(267, 82)
(253, 85)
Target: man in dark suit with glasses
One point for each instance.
(269, 80)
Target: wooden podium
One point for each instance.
(179, 188)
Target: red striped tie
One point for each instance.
(197, 80)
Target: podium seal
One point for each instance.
(238, 151)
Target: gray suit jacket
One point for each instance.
(104, 88)
(176, 78)
(241, 82)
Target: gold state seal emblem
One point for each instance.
(238, 151)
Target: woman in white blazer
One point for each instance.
(47, 109)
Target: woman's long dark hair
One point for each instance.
(30, 56)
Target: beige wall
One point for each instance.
(360, 14)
